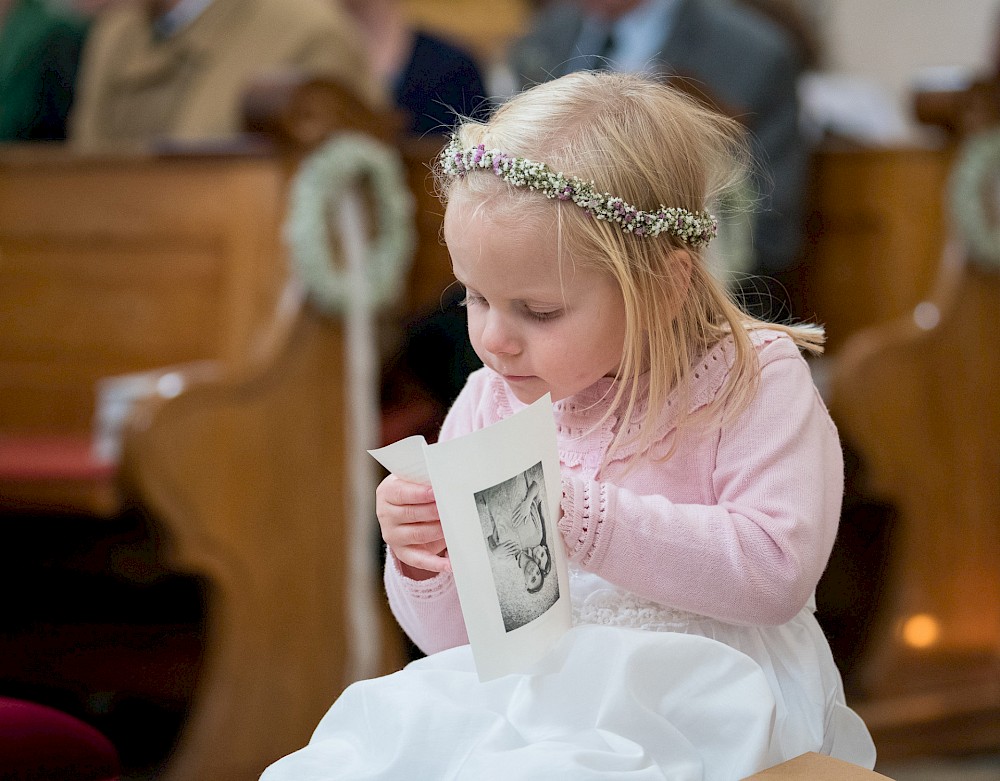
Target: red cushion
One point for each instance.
(38, 742)
(41, 457)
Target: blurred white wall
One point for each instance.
(891, 43)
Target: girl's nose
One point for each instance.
(499, 338)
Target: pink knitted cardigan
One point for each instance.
(737, 525)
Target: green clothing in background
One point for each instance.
(39, 53)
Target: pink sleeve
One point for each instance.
(753, 556)
(428, 610)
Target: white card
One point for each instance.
(506, 554)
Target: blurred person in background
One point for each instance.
(178, 69)
(430, 79)
(40, 46)
(736, 59)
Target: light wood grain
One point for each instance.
(247, 471)
(919, 404)
(875, 235)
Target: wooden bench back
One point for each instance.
(916, 398)
(124, 264)
(127, 262)
(252, 474)
(874, 235)
(249, 476)
(174, 262)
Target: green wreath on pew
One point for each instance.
(318, 188)
(975, 185)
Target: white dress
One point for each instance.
(633, 691)
(636, 690)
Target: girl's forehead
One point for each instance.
(490, 222)
(498, 209)
(487, 246)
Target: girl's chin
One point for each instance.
(526, 396)
(527, 390)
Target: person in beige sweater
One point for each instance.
(178, 69)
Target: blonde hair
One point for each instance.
(649, 144)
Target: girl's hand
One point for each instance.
(408, 516)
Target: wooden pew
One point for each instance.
(114, 264)
(248, 474)
(874, 234)
(916, 397)
(172, 262)
(128, 261)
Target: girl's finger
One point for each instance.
(409, 534)
(422, 559)
(398, 491)
(398, 514)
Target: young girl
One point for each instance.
(701, 473)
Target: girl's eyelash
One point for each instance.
(469, 298)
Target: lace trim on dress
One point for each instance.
(612, 607)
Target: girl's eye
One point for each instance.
(544, 315)
(471, 299)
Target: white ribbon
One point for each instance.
(371, 276)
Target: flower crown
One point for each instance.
(696, 229)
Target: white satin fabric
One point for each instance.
(633, 691)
